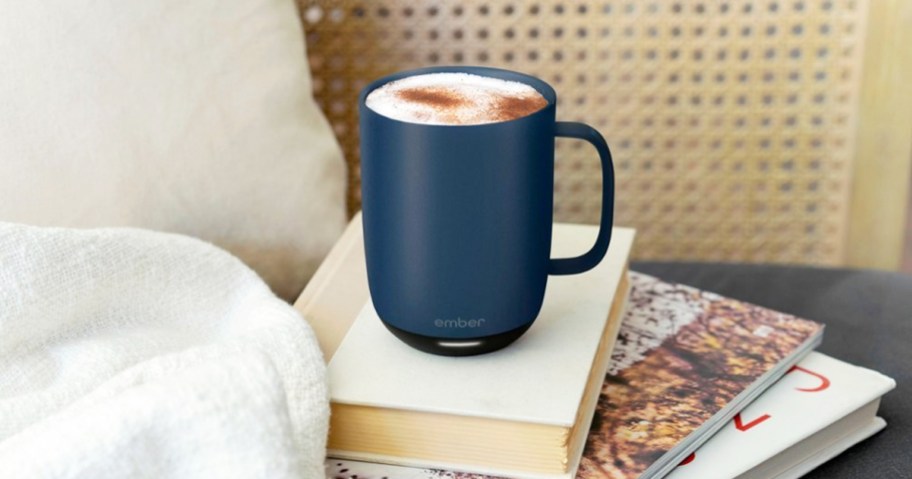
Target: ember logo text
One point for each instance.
(459, 323)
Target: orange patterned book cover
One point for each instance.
(685, 363)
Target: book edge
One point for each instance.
(445, 466)
(821, 439)
(589, 399)
(798, 470)
(329, 335)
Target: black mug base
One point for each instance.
(459, 346)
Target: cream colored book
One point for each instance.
(523, 411)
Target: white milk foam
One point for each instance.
(454, 99)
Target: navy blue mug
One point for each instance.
(457, 220)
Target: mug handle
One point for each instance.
(588, 260)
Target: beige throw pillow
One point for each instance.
(192, 117)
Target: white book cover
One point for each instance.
(816, 393)
(538, 379)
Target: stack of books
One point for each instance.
(622, 375)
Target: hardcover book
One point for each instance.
(821, 407)
(685, 362)
(521, 411)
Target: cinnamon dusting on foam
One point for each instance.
(455, 99)
(437, 98)
(511, 107)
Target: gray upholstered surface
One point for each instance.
(867, 315)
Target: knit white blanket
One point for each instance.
(132, 354)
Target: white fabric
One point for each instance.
(193, 117)
(132, 354)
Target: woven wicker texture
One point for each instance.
(731, 122)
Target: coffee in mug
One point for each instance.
(457, 178)
(455, 99)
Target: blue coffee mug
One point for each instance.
(457, 220)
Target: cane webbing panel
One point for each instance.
(731, 122)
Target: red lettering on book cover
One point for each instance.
(744, 427)
(687, 460)
(824, 382)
